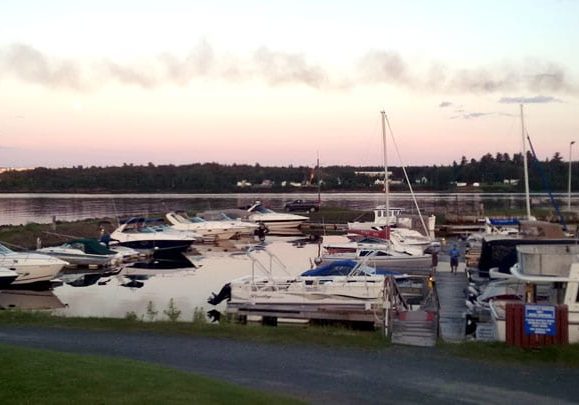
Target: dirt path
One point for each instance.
(394, 375)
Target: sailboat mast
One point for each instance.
(386, 187)
(319, 178)
(527, 197)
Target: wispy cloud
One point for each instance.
(465, 115)
(529, 100)
(445, 104)
(274, 67)
(471, 115)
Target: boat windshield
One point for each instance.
(197, 220)
(262, 210)
(4, 250)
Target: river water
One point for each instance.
(146, 291)
(18, 209)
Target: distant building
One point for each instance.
(390, 181)
(512, 182)
(14, 169)
(372, 174)
(243, 183)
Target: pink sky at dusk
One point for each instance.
(256, 93)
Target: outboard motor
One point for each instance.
(214, 315)
(261, 231)
(224, 294)
(470, 325)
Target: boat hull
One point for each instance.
(33, 274)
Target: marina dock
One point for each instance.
(450, 290)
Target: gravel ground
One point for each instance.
(319, 374)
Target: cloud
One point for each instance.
(391, 68)
(384, 66)
(445, 104)
(30, 65)
(529, 100)
(275, 68)
(465, 115)
(279, 67)
(471, 115)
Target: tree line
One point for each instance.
(490, 172)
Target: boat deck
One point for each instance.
(450, 290)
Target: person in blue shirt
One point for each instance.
(454, 254)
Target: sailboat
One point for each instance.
(390, 219)
(393, 252)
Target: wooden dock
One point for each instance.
(450, 289)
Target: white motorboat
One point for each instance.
(7, 276)
(30, 267)
(136, 233)
(401, 236)
(273, 220)
(493, 227)
(391, 216)
(217, 230)
(231, 218)
(83, 252)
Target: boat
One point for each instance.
(402, 236)
(359, 285)
(83, 252)
(274, 221)
(550, 274)
(385, 216)
(231, 218)
(216, 230)
(386, 257)
(146, 235)
(500, 251)
(493, 227)
(7, 276)
(31, 267)
(345, 291)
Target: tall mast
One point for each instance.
(527, 197)
(386, 187)
(318, 177)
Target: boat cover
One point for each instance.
(504, 221)
(343, 268)
(91, 246)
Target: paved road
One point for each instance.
(318, 374)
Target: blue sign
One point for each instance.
(540, 320)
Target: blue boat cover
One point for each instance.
(503, 221)
(342, 268)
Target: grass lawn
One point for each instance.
(499, 352)
(282, 334)
(31, 376)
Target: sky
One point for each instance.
(281, 83)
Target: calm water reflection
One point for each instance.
(133, 288)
